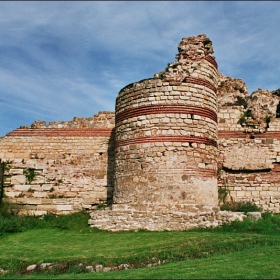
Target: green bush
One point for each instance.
(241, 206)
(10, 223)
(268, 224)
(222, 194)
(30, 174)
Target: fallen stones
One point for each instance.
(31, 267)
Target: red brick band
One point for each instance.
(209, 58)
(212, 60)
(200, 82)
(231, 134)
(166, 138)
(268, 134)
(166, 109)
(203, 172)
(48, 132)
(240, 134)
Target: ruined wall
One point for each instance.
(168, 152)
(61, 167)
(249, 144)
(166, 145)
(166, 133)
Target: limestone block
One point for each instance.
(245, 157)
(71, 194)
(47, 187)
(18, 180)
(64, 207)
(21, 187)
(60, 201)
(11, 194)
(40, 194)
(48, 208)
(87, 206)
(38, 180)
(90, 200)
(36, 201)
(47, 201)
(16, 171)
(35, 187)
(31, 267)
(240, 193)
(99, 268)
(254, 215)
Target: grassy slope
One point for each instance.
(234, 251)
(48, 245)
(254, 263)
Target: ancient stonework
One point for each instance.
(159, 160)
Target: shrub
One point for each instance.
(222, 194)
(241, 206)
(10, 223)
(244, 117)
(30, 174)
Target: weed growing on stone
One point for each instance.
(30, 174)
(223, 192)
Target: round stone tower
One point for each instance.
(166, 133)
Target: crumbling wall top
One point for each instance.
(231, 92)
(194, 47)
(263, 104)
(104, 119)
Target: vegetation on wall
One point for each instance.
(245, 115)
(223, 193)
(239, 102)
(30, 174)
(241, 206)
(162, 73)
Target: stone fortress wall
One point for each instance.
(249, 143)
(73, 164)
(174, 137)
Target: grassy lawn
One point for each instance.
(254, 263)
(240, 250)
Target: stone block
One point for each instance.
(40, 213)
(254, 215)
(48, 208)
(64, 207)
(16, 171)
(35, 201)
(47, 201)
(11, 194)
(18, 180)
(40, 194)
(21, 187)
(47, 187)
(39, 180)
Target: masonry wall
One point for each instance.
(250, 168)
(163, 168)
(73, 165)
(166, 146)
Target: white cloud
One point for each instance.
(64, 59)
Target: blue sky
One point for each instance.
(62, 59)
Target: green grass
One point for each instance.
(239, 250)
(254, 263)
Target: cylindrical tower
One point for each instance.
(166, 133)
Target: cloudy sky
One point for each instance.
(59, 60)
